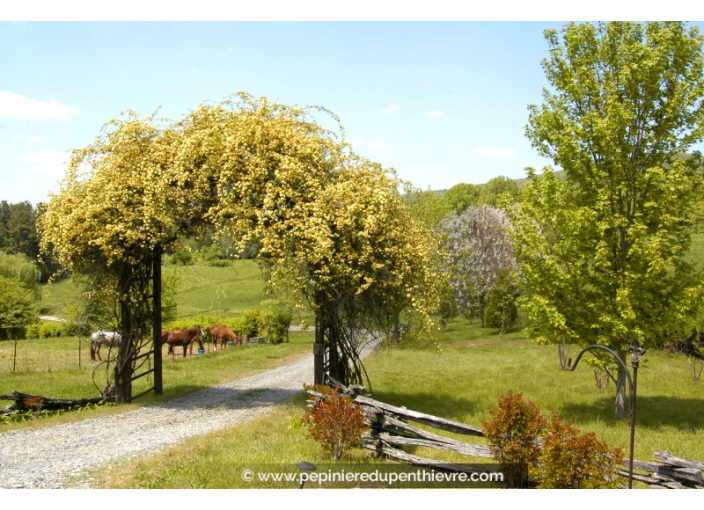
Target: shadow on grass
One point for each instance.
(651, 412)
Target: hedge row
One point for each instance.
(49, 329)
(253, 323)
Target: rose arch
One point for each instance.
(334, 230)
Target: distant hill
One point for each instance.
(521, 182)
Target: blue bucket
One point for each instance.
(201, 352)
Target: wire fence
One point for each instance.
(23, 356)
(17, 356)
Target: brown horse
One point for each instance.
(185, 338)
(220, 333)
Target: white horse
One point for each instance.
(97, 339)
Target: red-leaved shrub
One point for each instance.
(335, 422)
(514, 431)
(569, 460)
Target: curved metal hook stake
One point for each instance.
(636, 350)
(620, 361)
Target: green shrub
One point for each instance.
(569, 460)
(514, 432)
(250, 323)
(335, 422)
(181, 257)
(447, 309)
(20, 268)
(502, 311)
(18, 308)
(274, 325)
(49, 329)
(33, 330)
(218, 263)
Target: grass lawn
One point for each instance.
(475, 368)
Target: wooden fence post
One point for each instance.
(156, 326)
(318, 351)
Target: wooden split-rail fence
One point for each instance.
(390, 432)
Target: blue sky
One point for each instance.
(441, 102)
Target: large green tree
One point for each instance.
(497, 190)
(20, 267)
(602, 252)
(461, 196)
(18, 308)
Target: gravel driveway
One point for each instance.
(50, 457)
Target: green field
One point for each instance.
(203, 290)
(200, 290)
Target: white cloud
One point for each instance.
(16, 137)
(47, 162)
(390, 109)
(16, 106)
(35, 139)
(377, 145)
(495, 152)
(435, 113)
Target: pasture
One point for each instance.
(200, 290)
(461, 381)
(62, 368)
(203, 290)
(181, 375)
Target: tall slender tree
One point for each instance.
(602, 252)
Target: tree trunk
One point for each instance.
(338, 361)
(396, 329)
(319, 351)
(621, 392)
(123, 373)
(156, 320)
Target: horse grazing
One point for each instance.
(185, 338)
(220, 333)
(100, 338)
